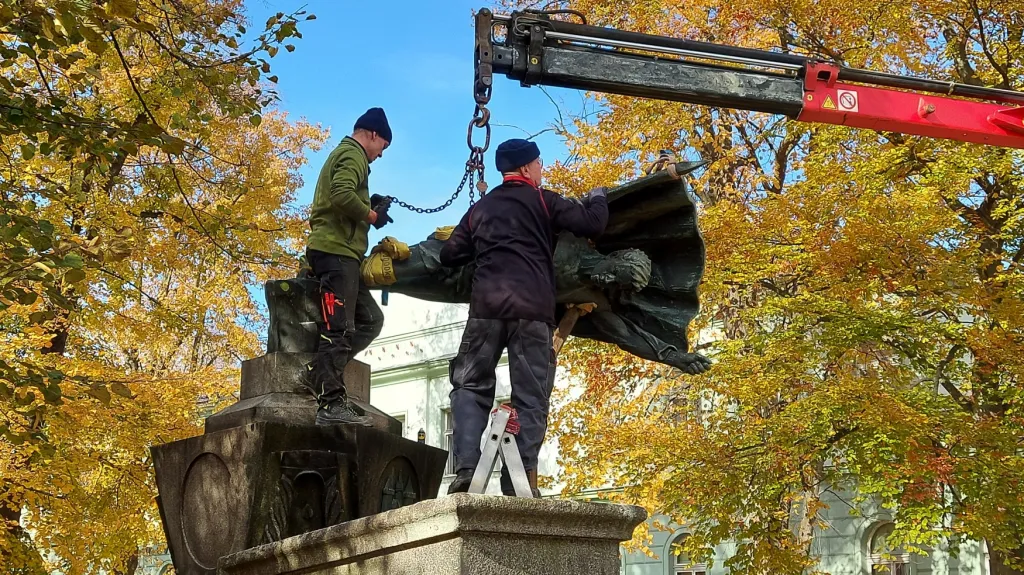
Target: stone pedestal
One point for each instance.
(456, 535)
(263, 471)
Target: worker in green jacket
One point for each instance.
(340, 218)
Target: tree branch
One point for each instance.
(948, 385)
(980, 19)
(141, 291)
(192, 209)
(131, 79)
(42, 77)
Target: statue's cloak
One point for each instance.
(657, 215)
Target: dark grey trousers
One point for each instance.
(351, 321)
(531, 364)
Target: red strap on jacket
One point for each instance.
(520, 179)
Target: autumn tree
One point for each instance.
(145, 189)
(865, 289)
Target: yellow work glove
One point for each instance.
(443, 233)
(395, 249)
(377, 270)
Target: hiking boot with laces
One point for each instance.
(338, 412)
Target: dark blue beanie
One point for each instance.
(514, 154)
(374, 120)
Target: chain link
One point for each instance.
(474, 165)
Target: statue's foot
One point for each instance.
(691, 363)
(628, 269)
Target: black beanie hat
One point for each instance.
(374, 120)
(514, 154)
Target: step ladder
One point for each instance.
(501, 442)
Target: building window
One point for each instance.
(449, 467)
(884, 559)
(401, 419)
(681, 564)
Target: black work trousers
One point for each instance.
(351, 321)
(531, 364)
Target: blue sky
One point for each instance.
(415, 60)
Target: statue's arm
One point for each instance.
(458, 248)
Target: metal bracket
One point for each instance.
(818, 74)
(534, 56)
(483, 58)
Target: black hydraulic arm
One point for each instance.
(537, 49)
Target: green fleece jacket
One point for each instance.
(341, 201)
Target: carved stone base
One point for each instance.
(457, 535)
(237, 488)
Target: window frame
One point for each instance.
(677, 568)
(449, 464)
(898, 564)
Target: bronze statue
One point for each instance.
(642, 273)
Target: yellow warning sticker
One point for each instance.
(828, 104)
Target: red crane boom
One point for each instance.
(539, 50)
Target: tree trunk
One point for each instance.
(997, 562)
(131, 566)
(811, 478)
(20, 556)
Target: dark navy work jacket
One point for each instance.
(510, 234)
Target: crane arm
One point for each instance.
(538, 50)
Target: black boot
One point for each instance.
(531, 476)
(461, 482)
(338, 412)
(508, 489)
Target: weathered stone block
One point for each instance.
(282, 372)
(277, 372)
(294, 307)
(272, 389)
(230, 490)
(457, 535)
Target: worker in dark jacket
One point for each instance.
(510, 235)
(340, 218)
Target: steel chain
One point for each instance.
(474, 165)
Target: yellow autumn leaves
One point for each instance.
(864, 288)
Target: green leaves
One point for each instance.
(73, 260)
(121, 8)
(74, 276)
(28, 298)
(131, 172)
(172, 145)
(99, 392)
